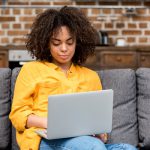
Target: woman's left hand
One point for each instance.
(103, 137)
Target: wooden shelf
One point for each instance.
(3, 58)
(111, 57)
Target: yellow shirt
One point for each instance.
(35, 82)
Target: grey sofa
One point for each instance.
(131, 114)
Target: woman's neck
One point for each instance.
(64, 67)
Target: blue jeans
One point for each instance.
(81, 143)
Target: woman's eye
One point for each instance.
(55, 44)
(70, 43)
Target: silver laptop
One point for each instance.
(76, 114)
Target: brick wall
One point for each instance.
(16, 17)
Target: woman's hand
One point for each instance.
(44, 123)
(36, 121)
(103, 137)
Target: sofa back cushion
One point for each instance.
(15, 73)
(5, 125)
(123, 82)
(143, 105)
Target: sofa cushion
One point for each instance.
(123, 82)
(5, 125)
(13, 80)
(143, 105)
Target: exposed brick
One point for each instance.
(5, 11)
(141, 18)
(5, 40)
(143, 40)
(96, 11)
(28, 11)
(17, 33)
(84, 10)
(141, 11)
(131, 32)
(38, 11)
(123, 18)
(130, 39)
(3, 19)
(85, 3)
(5, 26)
(120, 25)
(1, 32)
(19, 40)
(112, 32)
(28, 26)
(97, 25)
(16, 11)
(132, 25)
(131, 3)
(107, 3)
(16, 26)
(147, 32)
(62, 3)
(27, 19)
(92, 18)
(118, 11)
(108, 25)
(18, 3)
(40, 3)
(143, 25)
(106, 11)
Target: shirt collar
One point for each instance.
(55, 67)
(51, 65)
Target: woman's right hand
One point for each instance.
(103, 137)
(36, 121)
(45, 122)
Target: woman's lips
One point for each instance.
(63, 56)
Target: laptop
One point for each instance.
(77, 114)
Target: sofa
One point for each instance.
(131, 107)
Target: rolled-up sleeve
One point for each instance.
(22, 104)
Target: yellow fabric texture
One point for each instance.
(34, 83)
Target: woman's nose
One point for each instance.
(64, 47)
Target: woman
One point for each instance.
(61, 40)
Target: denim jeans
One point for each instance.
(81, 143)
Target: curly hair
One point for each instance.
(48, 23)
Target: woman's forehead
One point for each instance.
(57, 31)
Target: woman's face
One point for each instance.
(62, 47)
